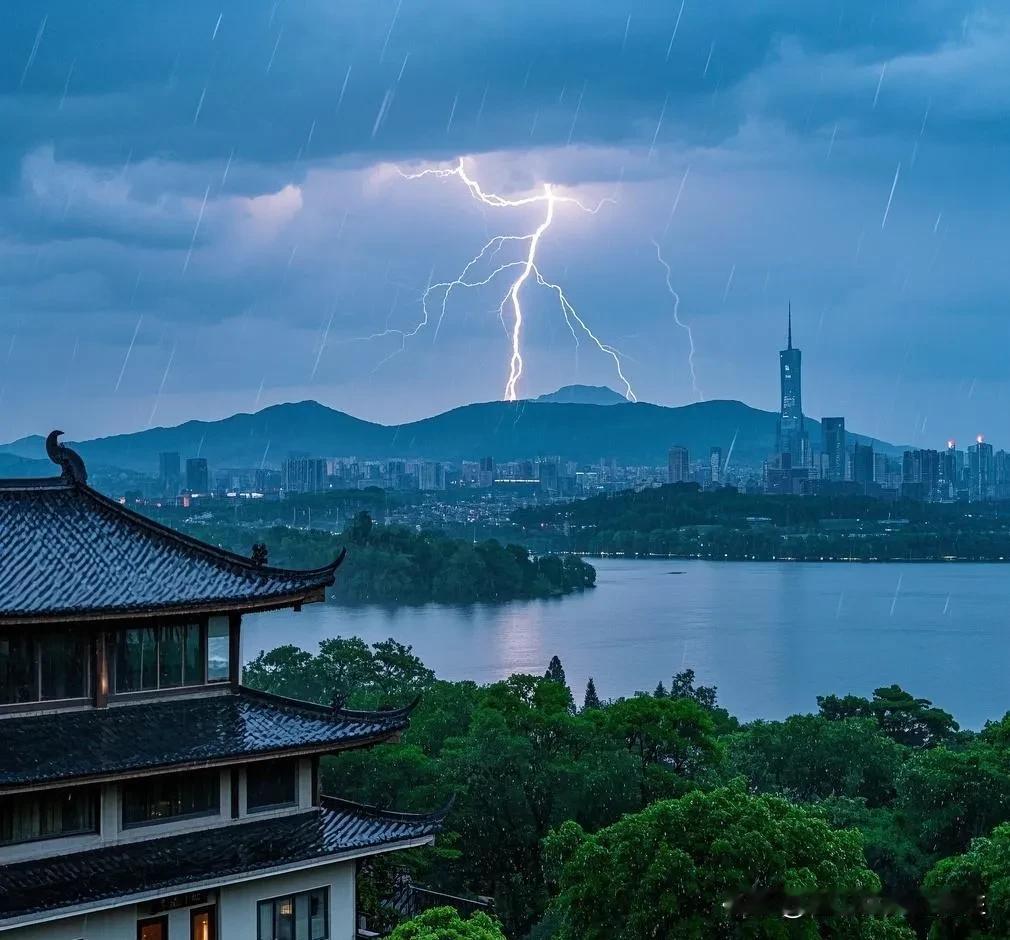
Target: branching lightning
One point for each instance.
(676, 319)
(524, 269)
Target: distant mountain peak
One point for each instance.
(583, 395)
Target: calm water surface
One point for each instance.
(771, 636)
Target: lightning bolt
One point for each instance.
(676, 319)
(525, 268)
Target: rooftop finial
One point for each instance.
(68, 460)
(790, 344)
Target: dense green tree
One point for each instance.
(396, 565)
(809, 757)
(914, 722)
(682, 686)
(683, 520)
(360, 528)
(286, 670)
(445, 923)
(970, 893)
(591, 698)
(952, 797)
(555, 671)
(346, 670)
(526, 764)
(712, 864)
(891, 849)
(671, 740)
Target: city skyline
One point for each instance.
(219, 219)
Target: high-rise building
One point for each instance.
(862, 463)
(1001, 474)
(549, 476)
(980, 470)
(305, 475)
(197, 475)
(792, 436)
(430, 475)
(949, 483)
(678, 468)
(169, 473)
(833, 447)
(715, 466)
(920, 474)
(485, 475)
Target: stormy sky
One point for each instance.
(204, 209)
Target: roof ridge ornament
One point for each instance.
(68, 460)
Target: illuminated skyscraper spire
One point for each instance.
(792, 436)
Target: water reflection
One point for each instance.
(771, 636)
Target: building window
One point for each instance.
(44, 668)
(153, 928)
(64, 665)
(176, 796)
(218, 649)
(271, 785)
(302, 916)
(48, 815)
(167, 657)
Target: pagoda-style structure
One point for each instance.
(145, 794)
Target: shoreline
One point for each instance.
(809, 561)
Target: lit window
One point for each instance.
(302, 916)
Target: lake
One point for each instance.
(771, 635)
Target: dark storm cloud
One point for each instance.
(191, 79)
(209, 179)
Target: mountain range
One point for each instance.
(583, 395)
(632, 433)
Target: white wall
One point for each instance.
(239, 902)
(237, 910)
(119, 924)
(112, 831)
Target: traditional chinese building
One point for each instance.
(145, 794)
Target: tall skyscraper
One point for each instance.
(920, 474)
(197, 475)
(980, 469)
(678, 467)
(715, 465)
(792, 436)
(833, 446)
(949, 474)
(862, 463)
(169, 473)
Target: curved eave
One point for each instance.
(232, 760)
(228, 605)
(302, 587)
(246, 565)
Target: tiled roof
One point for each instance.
(177, 732)
(154, 865)
(67, 550)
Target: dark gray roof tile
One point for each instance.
(67, 550)
(171, 732)
(70, 881)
